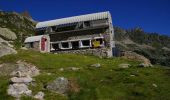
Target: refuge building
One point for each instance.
(84, 34)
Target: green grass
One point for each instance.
(106, 83)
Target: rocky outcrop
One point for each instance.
(19, 69)
(7, 34)
(7, 68)
(6, 48)
(134, 56)
(22, 77)
(16, 22)
(25, 69)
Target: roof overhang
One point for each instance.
(33, 39)
(74, 19)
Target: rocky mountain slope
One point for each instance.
(19, 24)
(153, 46)
(14, 28)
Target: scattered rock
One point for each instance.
(27, 79)
(73, 68)
(39, 96)
(124, 65)
(154, 85)
(97, 65)
(61, 69)
(132, 75)
(60, 85)
(16, 90)
(144, 65)
(48, 73)
(69, 69)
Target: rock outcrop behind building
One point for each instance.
(6, 48)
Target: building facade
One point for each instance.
(38, 43)
(84, 34)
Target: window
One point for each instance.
(54, 28)
(86, 42)
(55, 46)
(75, 44)
(67, 27)
(65, 45)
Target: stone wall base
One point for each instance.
(100, 52)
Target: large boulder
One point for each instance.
(6, 48)
(7, 34)
(59, 85)
(16, 90)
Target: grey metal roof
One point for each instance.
(74, 19)
(33, 38)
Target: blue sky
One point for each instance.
(151, 15)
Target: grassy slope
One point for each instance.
(105, 83)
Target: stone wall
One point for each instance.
(101, 52)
